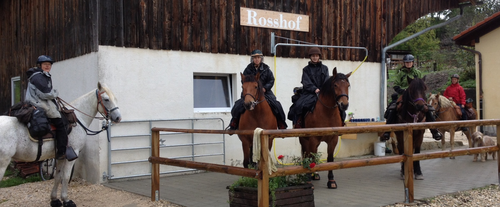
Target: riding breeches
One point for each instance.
(61, 134)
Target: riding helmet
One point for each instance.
(455, 76)
(257, 53)
(44, 58)
(314, 51)
(408, 58)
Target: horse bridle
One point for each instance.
(336, 99)
(99, 102)
(255, 102)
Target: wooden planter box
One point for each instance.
(293, 196)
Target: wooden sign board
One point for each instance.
(274, 20)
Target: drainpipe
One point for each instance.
(383, 72)
(480, 63)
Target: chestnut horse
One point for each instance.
(445, 110)
(333, 97)
(258, 113)
(412, 109)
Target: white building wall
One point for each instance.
(158, 84)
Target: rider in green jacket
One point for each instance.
(400, 85)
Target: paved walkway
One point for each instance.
(364, 186)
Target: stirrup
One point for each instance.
(385, 136)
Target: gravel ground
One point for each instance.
(82, 193)
(487, 196)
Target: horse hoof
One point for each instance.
(56, 203)
(70, 203)
(332, 184)
(315, 176)
(419, 177)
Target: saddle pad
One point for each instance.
(45, 138)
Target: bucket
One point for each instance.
(379, 148)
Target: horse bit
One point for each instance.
(255, 102)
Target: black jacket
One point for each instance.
(42, 81)
(313, 77)
(266, 77)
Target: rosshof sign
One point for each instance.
(274, 20)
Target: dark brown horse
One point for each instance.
(258, 113)
(334, 94)
(412, 109)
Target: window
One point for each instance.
(15, 85)
(212, 92)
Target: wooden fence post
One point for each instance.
(408, 170)
(263, 182)
(155, 167)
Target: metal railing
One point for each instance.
(262, 173)
(137, 130)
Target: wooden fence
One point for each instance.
(263, 177)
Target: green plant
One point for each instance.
(283, 181)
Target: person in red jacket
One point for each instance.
(456, 93)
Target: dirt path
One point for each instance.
(81, 192)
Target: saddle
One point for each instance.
(470, 111)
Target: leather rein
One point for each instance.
(105, 115)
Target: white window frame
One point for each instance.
(229, 89)
(13, 91)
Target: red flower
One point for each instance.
(281, 157)
(312, 165)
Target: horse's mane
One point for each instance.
(444, 102)
(108, 91)
(251, 78)
(327, 88)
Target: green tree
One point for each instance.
(422, 46)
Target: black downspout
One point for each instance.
(480, 63)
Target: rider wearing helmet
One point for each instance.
(456, 93)
(313, 76)
(400, 85)
(41, 94)
(255, 66)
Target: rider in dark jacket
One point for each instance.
(313, 77)
(41, 94)
(257, 65)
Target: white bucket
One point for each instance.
(379, 148)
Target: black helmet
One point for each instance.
(314, 51)
(257, 53)
(44, 58)
(455, 76)
(408, 58)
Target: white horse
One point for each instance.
(15, 143)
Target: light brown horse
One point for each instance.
(445, 110)
(333, 96)
(258, 113)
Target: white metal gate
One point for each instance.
(130, 146)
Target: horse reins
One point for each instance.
(105, 116)
(255, 102)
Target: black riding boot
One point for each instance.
(390, 119)
(429, 117)
(464, 117)
(61, 137)
(233, 125)
(236, 112)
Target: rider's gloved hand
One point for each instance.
(398, 89)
